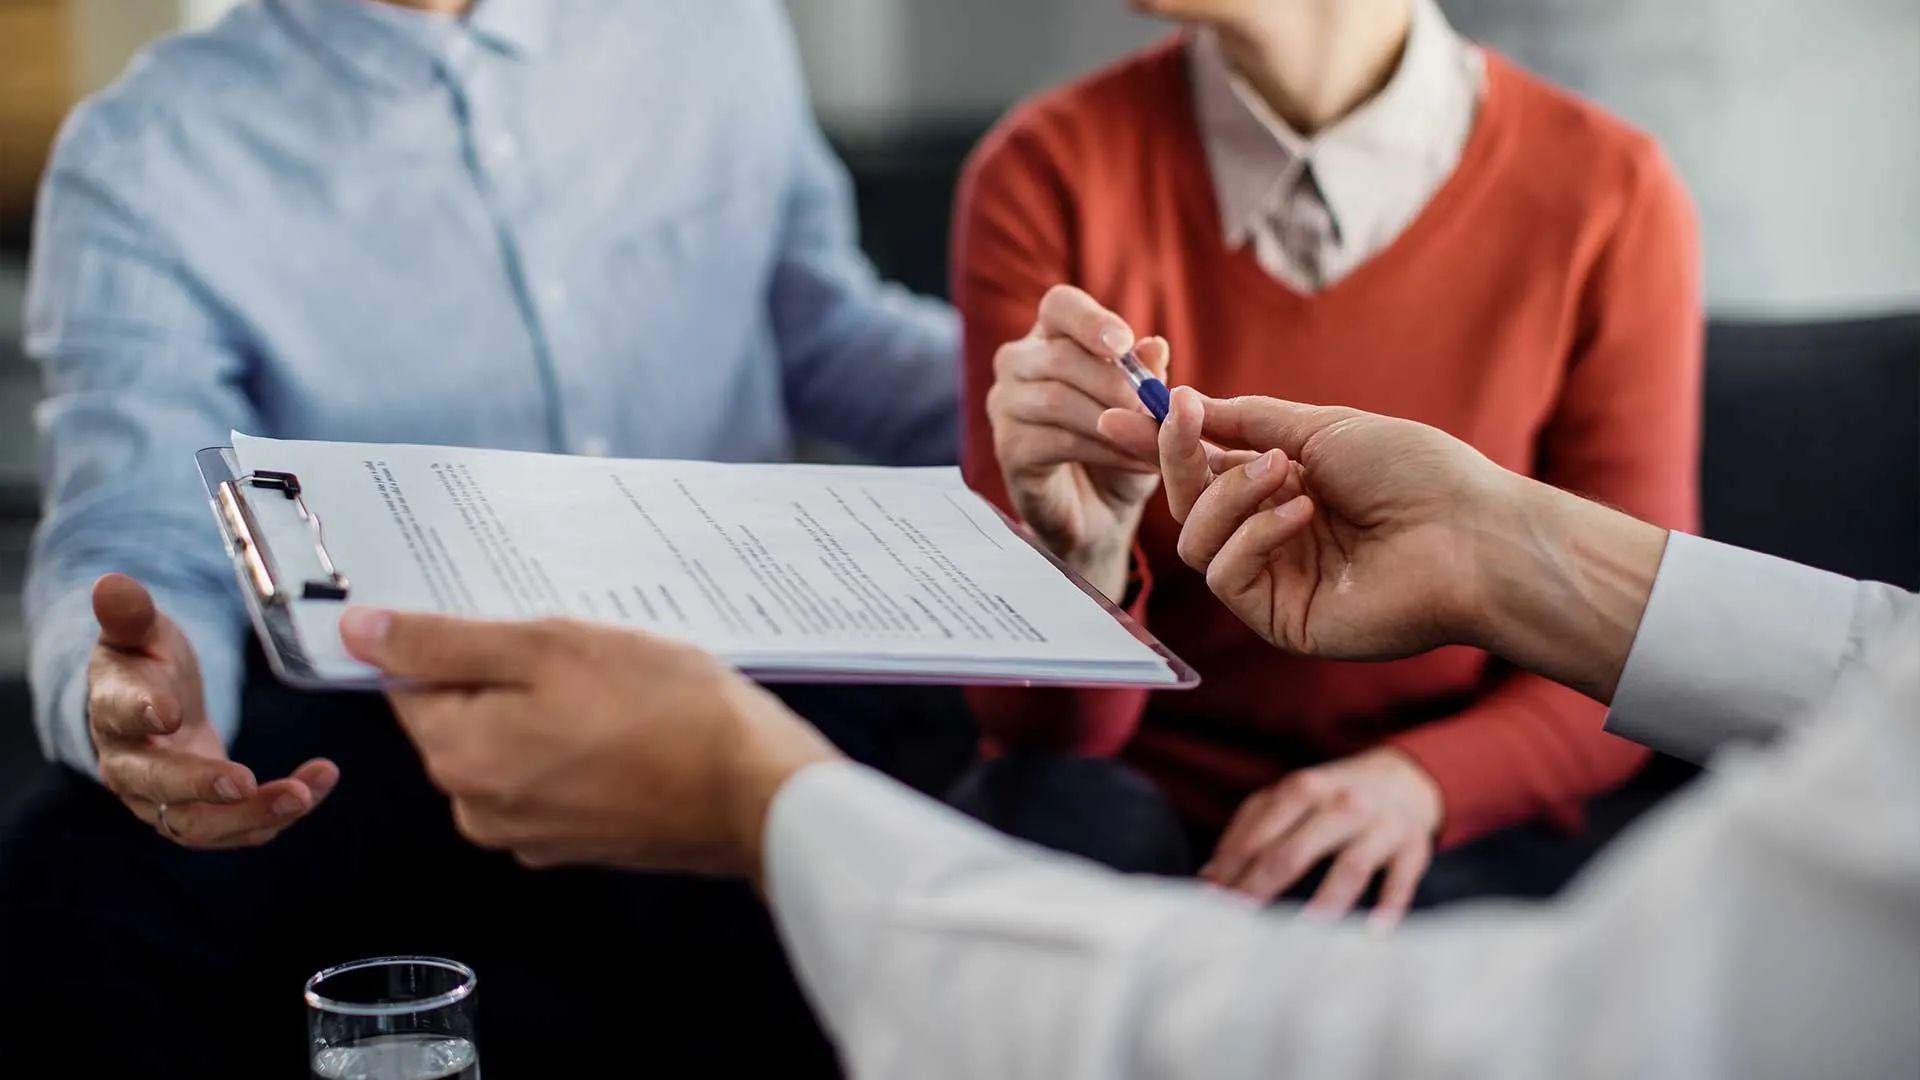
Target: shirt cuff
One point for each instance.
(1733, 646)
(63, 639)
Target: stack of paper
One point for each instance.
(800, 571)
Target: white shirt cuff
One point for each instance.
(1733, 646)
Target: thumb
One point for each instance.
(1263, 423)
(1183, 457)
(1156, 354)
(441, 649)
(128, 620)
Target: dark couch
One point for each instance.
(1813, 443)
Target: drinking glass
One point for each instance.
(393, 1018)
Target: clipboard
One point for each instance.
(278, 549)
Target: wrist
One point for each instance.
(1421, 792)
(1564, 581)
(1106, 565)
(771, 747)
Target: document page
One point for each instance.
(773, 567)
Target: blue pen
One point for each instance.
(1153, 393)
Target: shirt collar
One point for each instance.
(1251, 151)
(404, 49)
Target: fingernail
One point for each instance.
(1382, 925)
(226, 790)
(1260, 466)
(1116, 339)
(151, 718)
(1290, 509)
(1313, 914)
(365, 626)
(286, 805)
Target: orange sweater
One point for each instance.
(1544, 307)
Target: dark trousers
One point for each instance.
(122, 955)
(1111, 813)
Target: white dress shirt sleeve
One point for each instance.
(1763, 924)
(1735, 646)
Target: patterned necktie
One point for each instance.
(1302, 226)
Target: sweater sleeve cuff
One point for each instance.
(1139, 585)
(1459, 770)
(1478, 759)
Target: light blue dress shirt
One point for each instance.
(591, 226)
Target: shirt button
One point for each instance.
(595, 446)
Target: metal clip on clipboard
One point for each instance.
(246, 533)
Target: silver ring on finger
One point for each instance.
(166, 827)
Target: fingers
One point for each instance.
(253, 820)
(1156, 354)
(1068, 312)
(1219, 461)
(1352, 871)
(1047, 402)
(1226, 503)
(128, 619)
(1035, 360)
(1283, 863)
(1183, 458)
(441, 649)
(453, 729)
(1396, 892)
(1237, 566)
(1262, 821)
(1133, 431)
(321, 777)
(1136, 435)
(164, 775)
(1264, 423)
(1042, 446)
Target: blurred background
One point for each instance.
(1796, 125)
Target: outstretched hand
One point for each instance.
(1345, 535)
(147, 716)
(1342, 534)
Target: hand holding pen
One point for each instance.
(1080, 492)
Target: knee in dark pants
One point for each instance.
(1092, 807)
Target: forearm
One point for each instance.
(1693, 643)
(1106, 565)
(868, 366)
(1563, 583)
